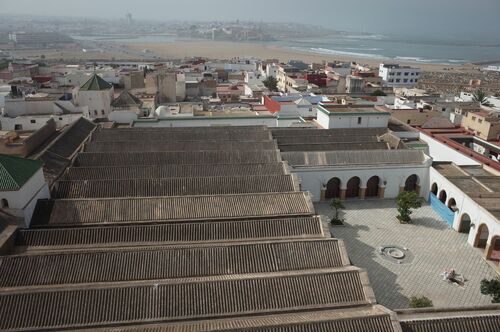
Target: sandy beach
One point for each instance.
(227, 50)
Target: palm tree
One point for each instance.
(480, 97)
(337, 205)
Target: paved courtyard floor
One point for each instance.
(371, 224)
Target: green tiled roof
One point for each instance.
(95, 83)
(15, 172)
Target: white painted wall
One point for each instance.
(312, 179)
(123, 116)
(465, 204)
(22, 202)
(411, 75)
(351, 120)
(442, 152)
(96, 101)
(206, 122)
(39, 121)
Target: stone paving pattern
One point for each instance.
(372, 223)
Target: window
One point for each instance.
(18, 127)
(412, 74)
(33, 121)
(398, 80)
(408, 121)
(473, 118)
(102, 112)
(406, 74)
(60, 119)
(405, 80)
(416, 74)
(95, 112)
(359, 120)
(411, 81)
(391, 80)
(399, 73)
(416, 80)
(480, 120)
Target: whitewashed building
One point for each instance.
(97, 95)
(467, 198)
(22, 184)
(331, 116)
(397, 76)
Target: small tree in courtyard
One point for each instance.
(491, 288)
(420, 302)
(271, 83)
(406, 201)
(337, 205)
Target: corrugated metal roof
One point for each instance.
(168, 263)
(358, 320)
(169, 233)
(68, 142)
(172, 171)
(184, 300)
(346, 158)
(456, 324)
(200, 135)
(222, 185)
(177, 158)
(287, 140)
(308, 132)
(127, 210)
(340, 146)
(158, 146)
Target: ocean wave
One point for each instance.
(363, 49)
(336, 52)
(372, 37)
(437, 61)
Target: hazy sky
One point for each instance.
(440, 18)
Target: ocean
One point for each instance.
(382, 47)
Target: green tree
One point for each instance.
(420, 302)
(480, 97)
(336, 205)
(271, 83)
(491, 288)
(378, 93)
(406, 201)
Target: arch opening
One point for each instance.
(452, 205)
(333, 188)
(443, 196)
(353, 187)
(434, 188)
(411, 183)
(465, 224)
(483, 233)
(4, 203)
(372, 187)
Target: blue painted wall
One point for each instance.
(443, 211)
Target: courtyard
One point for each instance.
(431, 247)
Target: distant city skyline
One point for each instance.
(444, 19)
